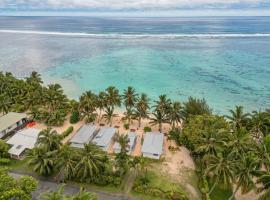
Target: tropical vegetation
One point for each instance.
(231, 151)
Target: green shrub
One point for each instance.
(67, 132)
(75, 117)
(3, 149)
(126, 126)
(147, 129)
(4, 161)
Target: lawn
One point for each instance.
(160, 182)
(220, 192)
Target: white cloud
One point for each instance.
(127, 4)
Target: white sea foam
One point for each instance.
(134, 36)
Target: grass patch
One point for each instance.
(106, 188)
(220, 192)
(158, 187)
(144, 197)
(19, 165)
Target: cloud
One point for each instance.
(130, 4)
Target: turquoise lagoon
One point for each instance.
(226, 69)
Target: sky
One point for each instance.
(126, 7)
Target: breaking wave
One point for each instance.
(136, 36)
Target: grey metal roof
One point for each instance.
(153, 143)
(84, 134)
(24, 139)
(104, 136)
(10, 119)
(132, 139)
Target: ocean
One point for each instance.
(225, 60)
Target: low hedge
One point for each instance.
(75, 117)
(67, 132)
(147, 129)
(5, 161)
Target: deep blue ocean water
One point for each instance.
(225, 60)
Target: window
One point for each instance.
(155, 154)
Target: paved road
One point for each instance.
(45, 185)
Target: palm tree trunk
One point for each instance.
(233, 194)
(160, 127)
(173, 125)
(140, 121)
(213, 186)
(99, 116)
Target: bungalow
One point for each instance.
(84, 136)
(131, 144)
(104, 137)
(153, 145)
(22, 140)
(10, 122)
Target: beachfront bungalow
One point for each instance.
(131, 144)
(22, 140)
(104, 137)
(10, 122)
(153, 145)
(84, 135)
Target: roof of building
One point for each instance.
(104, 136)
(10, 119)
(153, 143)
(84, 134)
(24, 139)
(132, 138)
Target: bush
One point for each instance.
(75, 117)
(3, 149)
(173, 149)
(4, 161)
(126, 126)
(147, 129)
(67, 132)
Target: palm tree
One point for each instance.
(54, 97)
(210, 143)
(264, 182)
(34, 79)
(262, 152)
(128, 116)
(83, 195)
(162, 104)
(91, 163)
(123, 141)
(59, 195)
(109, 115)
(5, 103)
(141, 108)
(88, 105)
(259, 124)
(49, 139)
(158, 118)
(175, 114)
(220, 168)
(238, 118)
(240, 142)
(130, 98)
(42, 160)
(112, 98)
(54, 118)
(66, 162)
(122, 159)
(245, 172)
(101, 102)
(56, 195)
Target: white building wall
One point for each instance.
(149, 155)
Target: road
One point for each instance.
(49, 185)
